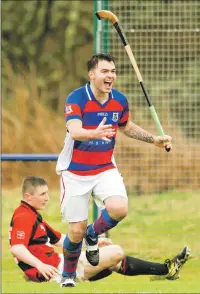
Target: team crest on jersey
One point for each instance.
(115, 116)
(42, 227)
(20, 235)
(68, 109)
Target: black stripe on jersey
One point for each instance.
(41, 240)
(49, 253)
(36, 224)
(53, 238)
(24, 266)
(40, 278)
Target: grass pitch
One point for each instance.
(156, 228)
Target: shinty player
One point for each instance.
(86, 164)
(32, 240)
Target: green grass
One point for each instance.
(157, 227)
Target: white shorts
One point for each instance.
(76, 190)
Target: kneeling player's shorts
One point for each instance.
(76, 191)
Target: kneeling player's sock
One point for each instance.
(134, 266)
(101, 275)
(102, 224)
(71, 252)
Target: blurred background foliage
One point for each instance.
(47, 39)
(43, 44)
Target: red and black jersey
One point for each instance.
(28, 228)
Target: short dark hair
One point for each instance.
(30, 183)
(93, 61)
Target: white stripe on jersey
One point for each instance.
(86, 87)
(112, 95)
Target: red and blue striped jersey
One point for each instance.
(93, 156)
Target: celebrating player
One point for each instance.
(86, 164)
(31, 240)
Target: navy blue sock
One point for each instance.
(102, 224)
(71, 252)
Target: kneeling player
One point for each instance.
(31, 240)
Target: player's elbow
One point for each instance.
(74, 133)
(75, 129)
(16, 248)
(74, 136)
(61, 241)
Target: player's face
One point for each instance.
(39, 198)
(103, 76)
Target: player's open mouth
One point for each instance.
(108, 84)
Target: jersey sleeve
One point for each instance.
(125, 114)
(22, 226)
(53, 235)
(72, 108)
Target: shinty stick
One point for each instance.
(106, 14)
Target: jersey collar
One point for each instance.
(91, 95)
(25, 204)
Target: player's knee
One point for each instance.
(119, 209)
(123, 211)
(118, 254)
(76, 232)
(76, 235)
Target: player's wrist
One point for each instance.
(154, 139)
(91, 135)
(38, 264)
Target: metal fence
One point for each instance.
(165, 39)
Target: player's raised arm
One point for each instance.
(132, 130)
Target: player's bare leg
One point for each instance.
(109, 256)
(116, 209)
